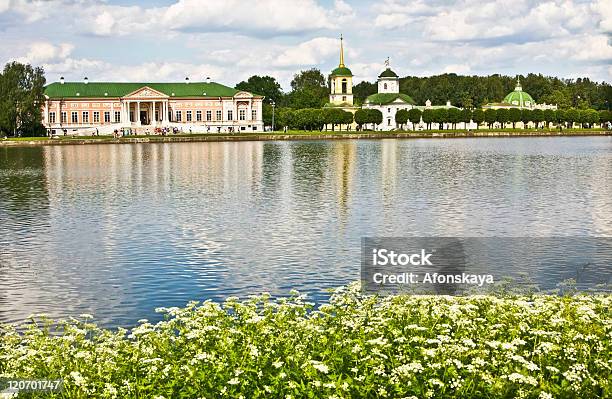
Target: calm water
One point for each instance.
(117, 230)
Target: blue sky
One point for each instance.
(233, 39)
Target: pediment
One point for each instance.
(146, 92)
(243, 94)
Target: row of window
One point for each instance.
(218, 115)
(74, 117)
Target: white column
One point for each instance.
(153, 116)
(112, 112)
(137, 116)
(46, 119)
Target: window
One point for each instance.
(64, 117)
(254, 115)
(179, 116)
(188, 116)
(385, 86)
(389, 121)
(85, 116)
(389, 110)
(75, 117)
(131, 116)
(209, 115)
(51, 117)
(230, 115)
(106, 117)
(156, 115)
(218, 115)
(199, 116)
(96, 116)
(344, 86)
(343, 98)
(242, 114)
(117, 116)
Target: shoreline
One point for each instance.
(300, 136)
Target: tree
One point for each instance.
(285, 118)
(375, 116)
(361, 117)
(502, 117)
(478, 116)
(440, 116)
(560, 116)
(362, 90)
(490, 116)
(571, 116)
(549, 116)
(537, 116)
(21, 99)
(428, 117)
(414, 116)
(560, 98)
(336, 116)
(590, 117)
(453, 116)
(263, 85)
(401, 118)
(526, 117)
(466, 116)
(514, 116)
(308, 90)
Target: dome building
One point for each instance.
(518, 99)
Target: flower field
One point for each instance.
(354, 347)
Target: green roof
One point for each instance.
(388, 73)
(341, 71)
(386, 98)
(519, 98)
(112, 89)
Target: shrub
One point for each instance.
(356, 346)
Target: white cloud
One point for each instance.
(309, 53)
(42, 52)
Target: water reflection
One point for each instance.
(117, 230)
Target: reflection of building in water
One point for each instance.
(344, 154)
(388, 162)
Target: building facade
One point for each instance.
(388, 100)
(85, 108)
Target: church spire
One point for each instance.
(518, 84)
(341, 65)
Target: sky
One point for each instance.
(230, 40)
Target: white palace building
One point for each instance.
(85, 108)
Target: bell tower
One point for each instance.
(341, 81)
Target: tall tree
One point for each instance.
(478, 116)
(263, 85)
(21, 99)
(308, 90)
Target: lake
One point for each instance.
(118, 230)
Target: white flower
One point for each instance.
(320, 366)
(234, 381)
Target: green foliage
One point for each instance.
(401, 117)
(480, 90)
(308, 90)
(453, 116)
(466, 115)
(263, 85)
(336, 116)
(414, 116)
(366, 116)
(572, 116)
(362, 90)
(440, 115)
(21, 100)
(356, 346)
(490, 116)
(514, 115)
(478, 116)
(537, 116)
(428, 117)
(502, 116)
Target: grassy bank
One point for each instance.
(298, 135)
(355, 347)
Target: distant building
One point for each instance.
(388, 100)
(199, 107)
(341, 88)
(518, 99)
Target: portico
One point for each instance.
(145, 106)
